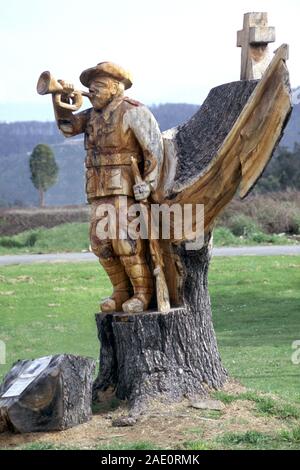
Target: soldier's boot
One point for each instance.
(121, 285)
(142, 283)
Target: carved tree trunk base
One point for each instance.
(167, 357)
(157, 356)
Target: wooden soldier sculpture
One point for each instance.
(223, 148)
(116, 129)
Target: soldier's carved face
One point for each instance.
(102, 90)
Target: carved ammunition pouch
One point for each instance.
(109, 174)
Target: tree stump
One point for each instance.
(47, 394)
(168, 357)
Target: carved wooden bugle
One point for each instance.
(47, 84)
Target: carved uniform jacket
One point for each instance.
(123, 129)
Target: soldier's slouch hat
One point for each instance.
(106, 69)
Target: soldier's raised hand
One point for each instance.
(68, 88)
(141, 191)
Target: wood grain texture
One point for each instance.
(253, 40)
(229, 142)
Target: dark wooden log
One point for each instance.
(58, 394)
(162, 356)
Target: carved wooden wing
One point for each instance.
(227, 143)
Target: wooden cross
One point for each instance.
(254, 39)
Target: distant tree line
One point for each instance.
(18, 139)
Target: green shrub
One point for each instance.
(8, 242)
(31, 239)
(243, 225)
(261, 237)
(224, 237)
(23, 240)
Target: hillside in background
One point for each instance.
(18, 139)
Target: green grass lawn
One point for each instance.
(256, 309)
(48, 309)
(74, 237)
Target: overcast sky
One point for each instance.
(176, 50)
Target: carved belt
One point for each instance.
(113, 159)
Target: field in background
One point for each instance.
(75, 238)
(273, 218)
(62, 238)
(49, 308)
